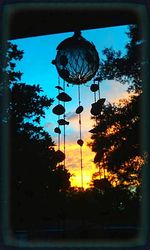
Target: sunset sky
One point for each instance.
(37, 69)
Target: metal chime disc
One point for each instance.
(59, 87)
(94, 87)
(62, 122)
(97, 106)
(58, 109)
(57, 130)
(64, 97)
(79, 110)
(80, 142)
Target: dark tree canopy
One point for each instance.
(33, 170)
(118, 142)
(128, 68)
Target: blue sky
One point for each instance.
(37, 69)
(40, 51)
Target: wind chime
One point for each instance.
(77, 62)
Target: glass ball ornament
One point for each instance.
(77, 59)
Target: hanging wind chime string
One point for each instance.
(80, 132)
(103, 158)
(95, 100)
(58, 115)
(99, 88)
(96, 122)
(99, 99)
(95, 97)
(64, 86)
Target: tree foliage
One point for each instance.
(128, 68)
(33, 170)
(117, 142)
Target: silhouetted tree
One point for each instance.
(102, 184)
(32, 156)
(117, 142)
(60, 179)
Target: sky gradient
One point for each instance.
(37, 69)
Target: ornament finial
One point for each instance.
(77, 33)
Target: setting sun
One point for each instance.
(73, 164)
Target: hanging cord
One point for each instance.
(104, 166)
(80, 132)
(58, 115)
(95, 97)
(96, 123)
(99, 89)
(95, 100)
(79, 100)
(64, 85)
(99, 92)
(99, 168)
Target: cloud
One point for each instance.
(86, 120)
(115, 91)
(71, 116)
(48, 125)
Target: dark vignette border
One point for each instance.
(7, 10)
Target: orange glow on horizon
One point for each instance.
(72, 163)
(72, 152)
